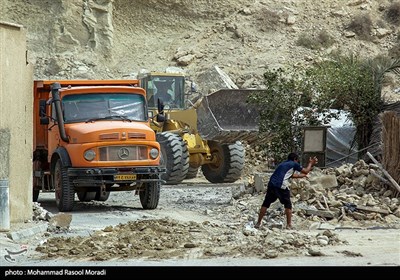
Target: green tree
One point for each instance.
(281, 121)
(344, 82)
(353, 84)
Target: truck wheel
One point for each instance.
(192, 172)
(63, 190)
(86, 196)
(35, 195)
(37, 183)
(174, 157)
(150, 195)
(229, 162)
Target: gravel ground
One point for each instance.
(197, 224)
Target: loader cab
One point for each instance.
(168, 88)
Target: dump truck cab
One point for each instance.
(92, 138)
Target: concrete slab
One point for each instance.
(27, 231)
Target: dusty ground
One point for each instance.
(200, 224)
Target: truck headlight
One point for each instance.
(89, 155)
(154, 153)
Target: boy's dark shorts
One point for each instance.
(274, 193)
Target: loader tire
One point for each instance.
(64, 191)
(192, 172)
(229, 162)
(174, 157)
(150, 195)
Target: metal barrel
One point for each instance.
(226, 116)
(4, 205)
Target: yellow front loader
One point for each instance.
(199, 132)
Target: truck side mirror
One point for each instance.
(42, 112)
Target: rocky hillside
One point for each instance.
(116, 38)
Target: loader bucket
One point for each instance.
(225, 116)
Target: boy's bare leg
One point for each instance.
(288, 213)
(263, 210)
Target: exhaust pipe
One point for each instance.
(55, 91)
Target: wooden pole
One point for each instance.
(384, 172)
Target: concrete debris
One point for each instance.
(350, 254)
(334, 198)
(60, 222)
(315, 253)
(39, 213)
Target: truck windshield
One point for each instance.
(103, 106)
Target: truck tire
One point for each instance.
(174, 157)
(192, 172)
(37, 183)
(229, 162)
(35, 195)
(150, 195)
(64, 192)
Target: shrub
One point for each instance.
(269, 19)
(393, 13)
(323, 39)
(307, 41)
(394, 52)
(362, 26)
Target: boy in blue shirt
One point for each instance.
(278, 186)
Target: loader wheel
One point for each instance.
(192, 172)
(150, 195)
(174, 157)
(228, 164)
(63, 190)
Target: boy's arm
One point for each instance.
(311, 162)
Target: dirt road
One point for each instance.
(198, 225)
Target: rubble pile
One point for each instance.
(172, 239)
(39, 213)
(349, 192)
(350, 196)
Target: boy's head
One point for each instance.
(293, 156)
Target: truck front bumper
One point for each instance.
(115, 175)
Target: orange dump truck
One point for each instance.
(92, 137)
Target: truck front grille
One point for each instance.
(123, 153)
(109, 136)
